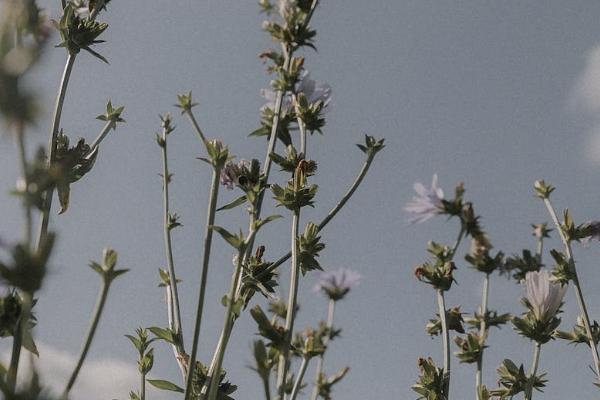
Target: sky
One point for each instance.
(492, 94)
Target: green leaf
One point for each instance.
(258, 224)
(136, 342)
(164, 334)
(230, 238)
(165, 385)
(237, 202)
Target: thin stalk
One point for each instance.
(214, 372)
(482, 332)
(25, 180)
(175, 313)
(210, 219)
(298, 383)
(90, 335)
(143, 387)
(320, 360)
(357, 181)
(267, 388)
(459, 238)
(539, 249)
(282, 368)
(445, 340)
(534, 367)
(60, 100)
(101, 136)
(194, 123)
(97, 9)
(577, 285)
(11, 376)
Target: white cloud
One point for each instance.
(99, 379)
(586, 97)
(586, 94)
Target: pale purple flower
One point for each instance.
(337, 284)
(271, 96)
(312, 91)
(427, 203)
(544, 294)
(231, 173)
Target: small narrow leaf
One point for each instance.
(165, 385)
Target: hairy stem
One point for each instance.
(445, 340)
(60, 100)
(534, 367)
(577, 285)
(298, 383)
(482, 332)
(291, 308)
(175, 313)
(90, 335)
(210, 219)
(320, 360)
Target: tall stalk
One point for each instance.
(210, 219)
(482, 332)
(577, 285)
(215, 370)
(534, 367)
(89, 337)
(174, 309)
(320, 360)
(445, 340)
(60, 101)
(298, 382)
(283, 365)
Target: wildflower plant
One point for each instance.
(24, 34)
(296, 108)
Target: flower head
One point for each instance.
(544, 294)
(231, 174)
(312, 91)
(271, 96)
(337, 284)
(427, 203)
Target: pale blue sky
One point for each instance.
(495, 94)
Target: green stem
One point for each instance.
(320, 360)
(20, 133)
(60, 100)
(11, 376)
(578, 291)
(143, 387)
(534, 367)
(194, 123)
(482, 332)
(445, 340)
(461, 234)
(539, 249)
(266, 387)
(214, 372)
(210, 219)
(298, 383)
(291, 308)
(175, 317)
(357, 181)
(90, 335)
(101, 136)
